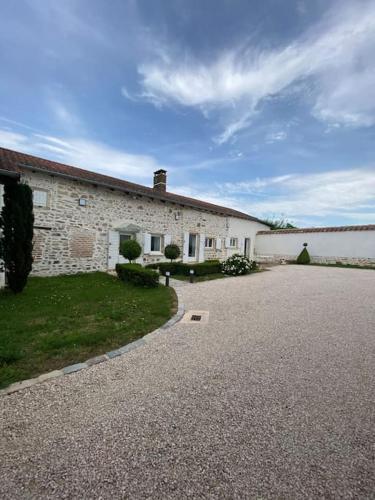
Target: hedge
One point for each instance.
(138, 275)
(201, 269)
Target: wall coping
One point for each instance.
(334, 229)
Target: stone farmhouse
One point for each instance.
(81, 217)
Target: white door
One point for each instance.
(193, 248)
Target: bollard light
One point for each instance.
(167, 274)
(191, 275)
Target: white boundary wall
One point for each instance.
(347, 245)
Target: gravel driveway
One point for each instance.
(272, 397)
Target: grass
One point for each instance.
(63, 320)
(197, 279)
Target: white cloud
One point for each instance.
(83, 153)
(276, 137)
(322, 194)
(341, 193)
(338, 54)
(125, 93)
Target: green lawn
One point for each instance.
(62, 320)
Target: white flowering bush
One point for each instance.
(237, 264)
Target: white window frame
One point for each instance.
(36, 202)
(233, 242)
(209, 240)
(160, 251)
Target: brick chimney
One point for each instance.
(160, 180)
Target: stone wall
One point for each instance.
(70, 238)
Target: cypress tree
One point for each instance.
(16, 224)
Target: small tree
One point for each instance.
(16, 225)
(281, 223)
(130, 249)
(172, 252)
(304, 257)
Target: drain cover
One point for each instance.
(196, 317)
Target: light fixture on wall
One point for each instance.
(82, 202)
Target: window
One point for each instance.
(192, 245)
(39, 198)
(156, 243)
(124, 237)
(233, 242)
(209, 243)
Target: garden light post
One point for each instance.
(167, 274)
(191, 275)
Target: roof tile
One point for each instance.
(16, 162)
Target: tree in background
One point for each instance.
(16, 225)
(131, 250)
(279, 224)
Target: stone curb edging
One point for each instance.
(18, 386)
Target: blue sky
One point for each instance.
(267, 106)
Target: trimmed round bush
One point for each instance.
(237, 265)
(304, 257)
(130, 249)
(172, 252)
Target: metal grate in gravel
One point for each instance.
(195, 317)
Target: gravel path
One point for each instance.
(273, 397)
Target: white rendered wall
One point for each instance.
(330, 246)
(241, 228)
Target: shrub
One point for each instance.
(138, 275)
(304, 257)
(130, 249)
(237, 264)
(172, 252)
(16, 225)
(201, 269)
(204, 268)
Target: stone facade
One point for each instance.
(71, 238)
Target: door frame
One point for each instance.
(195, 257)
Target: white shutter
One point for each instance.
(113, 249)
(218, 243)
(242, 246)
(146, 243)
(202, 241)
(227, 242)
(167, 239)
(185, 255)
(39, 198)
